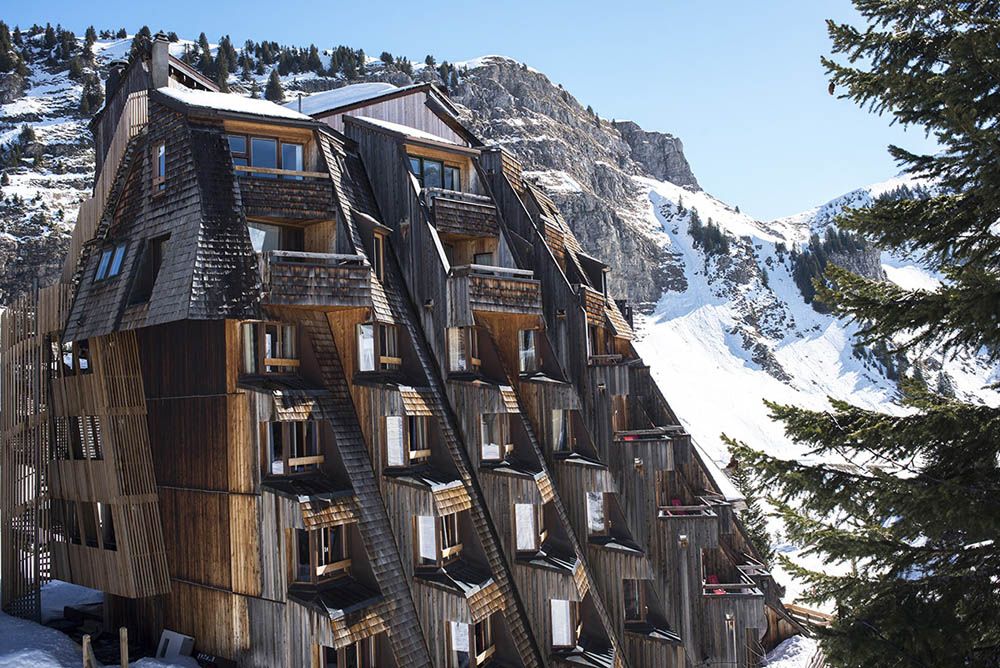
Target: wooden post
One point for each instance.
(123, 646)
(87, 652)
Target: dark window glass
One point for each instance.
(264, 153)
(433, 174)
(415, 167)
(452, 178)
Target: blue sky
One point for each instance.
(739, 82)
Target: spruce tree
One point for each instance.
(274, 92)
(916, 519)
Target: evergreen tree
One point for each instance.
(89, 38)
(274, 92)
(918, 518)
(141, 44)
(753, 517)
(8, 57)
(205, 63)
(430, 62)
(222, 72)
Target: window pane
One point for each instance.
(366, 348)
(394, 441)
(433, 174)
(102, 268)
(456, 349)
(237, 143)
(483, 258)
(264, 237)
(427, 538)
(291, 158)
(527, 532)
(595, 512)
(562, 624)
(559, 443)
(161, 161)
(264, 153)
(415, 167)
(452, 178)
(116, 261)
(249, 347)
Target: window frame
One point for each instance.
(526, 353)
(483, 629)
(322, 568)
(639, 599)
(605, 528)
(447, 169)
(466, 340)
(110, 263)
(378, 255)
(365, 653)
(563, 435)
(285, 340)
(538, 531)
(447, 536)
(292, 444)
(506, 446)
(159, 167)
(385, 340)
(573, 623)
(279, 158)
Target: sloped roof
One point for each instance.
(231, 103)
(328, 100)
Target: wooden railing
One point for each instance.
(135, 117)
(477, 287)
(808, 616)
(745, 587)
(320, 280)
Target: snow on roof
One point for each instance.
(232, 103)
(405, 130)
(326, 100)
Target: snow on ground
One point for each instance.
(796, 652)
(57, 594)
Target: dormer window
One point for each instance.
(495, 437)
(75, 357)
(291, 446)
(565, 628)
(436, 174)
(528, 359)
(159, 167)
(110, 264)
(597, 516)
(463, 350)
(268, 347)
(388, 347)
(269, 154)
(407, 440)
(562, 438)
(438, 540)
(529, 533)
(360, 654)
(323, 553)
(635, 601)
(378, 255)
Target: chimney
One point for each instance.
(159, 67)
(114, 79)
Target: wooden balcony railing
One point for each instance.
(323, 281)
(743, 586)
(283, 194)
(462, 214)
(478, 287)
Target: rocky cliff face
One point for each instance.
(660, 154)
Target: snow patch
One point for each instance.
(795, 652)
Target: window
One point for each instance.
(71, 522)
(149, 267)
(561, 439)
(435, 174)
(420, 446)
(463, 349)
(410, 447)
(361, 654)
(485, 259)
(268, 347)
(564, 628)
(291, 446)
(388, 347)
(452, 178)
(378, 255)
(159, 167)
(527, 356)
(485, 648)
(619, 412)
(72, 357)
(427, 545)
(597, 521)
(495, 436)
(110, 264)
(527, 523)
(459, 633)
(106, 526)
(81, 354)
(267, 153)
(322, 553)
(438, 540)
(265, 238)
(635, 605)
(88, 517)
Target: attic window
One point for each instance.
(388, 347)
(406, 447)
(463, 349)
(564, 625)
(495, 436)
(110, 264)
(149, 267)
(438, 540)
(528, 523)
(159, 167)
(436, 174)
(378, 255)
(527, 357)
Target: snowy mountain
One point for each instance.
(723, 320)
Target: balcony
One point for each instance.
(462, 214)
(280, 194)
(480, 288)
(325, 281)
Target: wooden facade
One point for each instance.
(347, 411)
